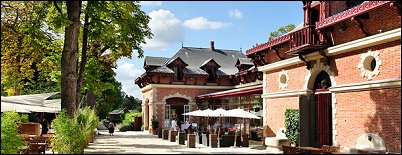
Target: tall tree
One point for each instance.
(281, 31)
(69, 58)
(27, 45)
(117, 27)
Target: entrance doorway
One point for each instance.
(316, 114)
(176, 107)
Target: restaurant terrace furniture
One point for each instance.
(334, 149)
(30, 128)
(325, 147)
(160, 132)
(289, 149)
(191, 140)
(181, 138)
(226, 141)
(172, 136)
(165, 134)
(205, 139)
(213, 140)
(245, 141)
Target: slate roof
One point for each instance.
(155, 61)
(162, 69)
(195, 57)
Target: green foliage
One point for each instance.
(292, 125)
(281, 31)
(154, 122)
(129, 117)
(72, 133)
(27, 45)
(24, 118)
(10, 138)
(127, 127)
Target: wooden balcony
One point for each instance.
(304, 40)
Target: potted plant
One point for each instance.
(155, 125)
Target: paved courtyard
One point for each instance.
(142, 142)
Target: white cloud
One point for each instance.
(236, 14)
(150, 3)
(126, 73)
(201, 23)
(167, 30)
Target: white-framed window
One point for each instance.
(186, 110)
(167, 116)
(283, 79)
(369, 64)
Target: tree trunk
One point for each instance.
(69, 58)
(83, 57)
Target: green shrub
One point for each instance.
(72, 133)
(24, 118)
(127, 127)
(154, 123)
(10, 138)
(129, 117)
(292, 125)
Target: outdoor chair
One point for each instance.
(289, 149)
(226, 141)
(316, 152)
(361, 152)
(334, 149)
(34, 148)
(325, 147)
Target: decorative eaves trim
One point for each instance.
(150, 86)
(373, 40)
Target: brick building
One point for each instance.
(341, 68)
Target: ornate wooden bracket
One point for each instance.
(359, 23)
(261, 56)
(304, 60)
(325, 56)
(277, 53)
(397, 6)
(325, 38)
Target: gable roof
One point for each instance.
(154, 61)
(244, 61)
(195, 57)
(207, 61)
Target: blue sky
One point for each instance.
(231, 24)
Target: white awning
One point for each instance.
(31, 103)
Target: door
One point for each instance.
(308, 120)
(324, 117)
(167, 116)
(186, 110)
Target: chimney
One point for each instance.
(212, 47)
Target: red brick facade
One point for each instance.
(376, 111)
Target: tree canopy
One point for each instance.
(33, 55)
(281, 31)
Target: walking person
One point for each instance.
(173, 125)
(45, 127)
(111, 128)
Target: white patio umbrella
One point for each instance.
(206, 113)
(193, 113)
(220, 113)
(241, 114)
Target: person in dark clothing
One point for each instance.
(45, 127)
(111, 128)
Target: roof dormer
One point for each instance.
(210, 66)
(243, 64)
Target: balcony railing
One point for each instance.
(352, 12)
(304, 39)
